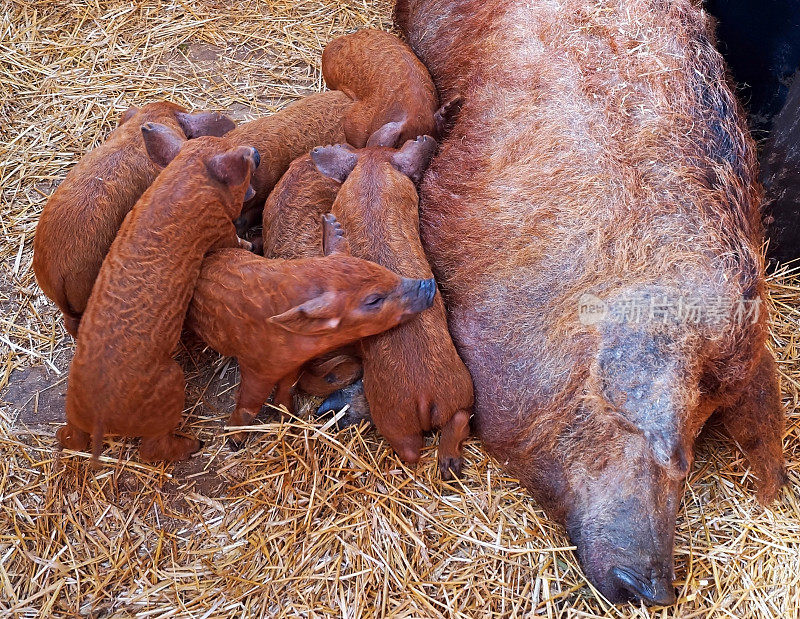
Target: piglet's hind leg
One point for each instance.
(169, 447)
(451, 443)
(407, 445)
(167, 397)
(283, 392)
(71, 437)
(253, 392)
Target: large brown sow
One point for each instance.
(82, 217)
(599, 153)
(123, 379)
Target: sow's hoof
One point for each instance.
(352, 395)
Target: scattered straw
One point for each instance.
(304, 520)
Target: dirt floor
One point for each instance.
(304, 521)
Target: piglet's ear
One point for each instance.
(127, 115)
(319, 316)
(204, 123)
(335, 161)
(333, 239)
(415, 156)
(161, 142)
(231, 167)
(388, 135)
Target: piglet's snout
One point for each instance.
(256, 158)
(255, 161)
(417, 294)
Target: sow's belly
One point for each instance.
(518, 363)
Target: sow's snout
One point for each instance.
(653, 590)
(623, 525)
(417, 295)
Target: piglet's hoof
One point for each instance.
(450, 468)
(352, 395)
(72, 438)
(235, 443)
(170, 447)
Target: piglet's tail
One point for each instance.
(97, 443)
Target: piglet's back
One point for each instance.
(238, 291)
(286, 135)
(291, 215)
(135, 313)
(82, 217)
(234, 294)
(389, 84)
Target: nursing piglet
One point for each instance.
(291, 230)
(123, 379)
(394, 97)
(82, 217)
(275, 315)
(284, 136)
(414, 380)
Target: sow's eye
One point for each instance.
(373, 301)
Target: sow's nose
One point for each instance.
(626, 584)
(418, 294)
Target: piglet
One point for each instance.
(284, 136)
(329, 373)
(291, 230)
(82, 217)
(275, 315)
(123, 379)
(414, 380)
(290, 224)
(394, 97)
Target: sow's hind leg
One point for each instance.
(756, 423)
(167, 397)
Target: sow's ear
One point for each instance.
(204, 123)
(335, 161)
(233, 166)
(415, 156)
(318, 316)
(127, 115)
(161, 142)
(642, 374)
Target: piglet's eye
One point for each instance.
(373, 301)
